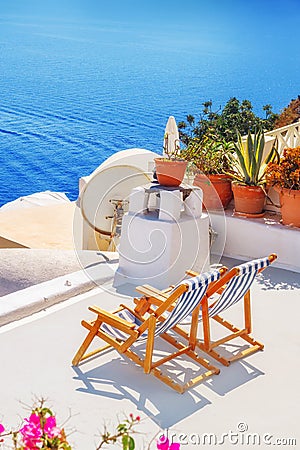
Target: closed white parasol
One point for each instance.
(171, 138)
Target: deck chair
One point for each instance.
(232, 287)
(124, 328)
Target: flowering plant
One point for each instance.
(286, 173)
(39, 431)
(123, 431)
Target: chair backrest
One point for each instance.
(239, 285)
(187, 302)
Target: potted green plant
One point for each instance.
(249, 173)
(212, 160)
(284, 175)
(170, 168)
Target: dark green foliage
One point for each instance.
(235, 116)
(209, 155)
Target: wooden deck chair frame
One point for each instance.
(209, 346)
(147, 324)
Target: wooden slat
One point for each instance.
(158, 292)
(228, 338)
(247, 312)
(149, 345)
(111, 319)
(226, 324)
(246, 352)
(191, 273)
(199, 379)
(96, 352)
(144, 290)
(87, 341)
(194, 327)
(169, 357)
(211, 352)
(205, 323)
(204, 362)
(252, 341)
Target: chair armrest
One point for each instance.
(135, 313)
(191, 273)
(111, 319)
(149, 291)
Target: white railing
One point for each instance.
(287, 137)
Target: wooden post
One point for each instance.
(150, 344)
(194, 328)
(205, 320)
(247, 312)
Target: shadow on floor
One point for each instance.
(120, 379)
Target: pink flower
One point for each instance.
(2, 429)
(174, 446)
(31, 432)
(163, 443)
(34, 419)
(54, 432)
(50, 423)
(51, 429)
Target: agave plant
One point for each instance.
(250, 163)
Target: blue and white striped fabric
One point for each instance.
(238, 285)
(185, 305)
(114, 332)
(197, 287)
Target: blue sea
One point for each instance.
(75, 90)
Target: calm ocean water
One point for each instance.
(74, 93)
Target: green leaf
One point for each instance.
(248, 151)
(122, 427)
(128, 442)
(259, 152)
(131, 443)
(241, 159)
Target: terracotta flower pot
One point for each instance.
(217, 192)
(170, 172)
(248, 200)
(290, 206)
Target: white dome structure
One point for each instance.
(112, 181)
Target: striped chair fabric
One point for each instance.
(197, 287)
(238, 286)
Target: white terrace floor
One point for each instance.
(260, 393)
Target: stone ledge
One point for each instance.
(248, 238)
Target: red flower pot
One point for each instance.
(248, 199)
(170, 172)
(290, 206)
(217, 192)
